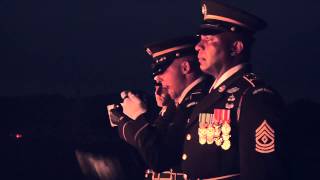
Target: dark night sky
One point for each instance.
(84, 48)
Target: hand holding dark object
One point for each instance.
(133, 104)
(162, 97)
(115, 114)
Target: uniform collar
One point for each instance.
(226, 75)
(188, 88)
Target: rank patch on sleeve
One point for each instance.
(265, 142)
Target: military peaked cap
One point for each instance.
(218, 18)
(164, 52)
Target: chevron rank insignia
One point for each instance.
(265, 138)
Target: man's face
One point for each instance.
(212, 52)
(162, 96)
(172, 79)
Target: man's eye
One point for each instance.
(208, 39)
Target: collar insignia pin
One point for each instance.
(222, 88)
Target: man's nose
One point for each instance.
(198, 46)
(157, 79)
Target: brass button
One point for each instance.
(184, 156)
(188, 137)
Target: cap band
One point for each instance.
(171, 50)
(225, 19)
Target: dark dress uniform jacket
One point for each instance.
(160, 142)
(255, 112)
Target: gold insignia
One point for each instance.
(202, 135)
(204, 10)
(205, 119)
(218, 141)
(217, 131)
(222, 88)
(188, 137)
(210, 135)
(149, 51)
(225, 137)
(184, 156)
(229, 105)
(233, 90)
(231, 98)
(226, 128)
(251, 78)
(265, 142)
(226, 145)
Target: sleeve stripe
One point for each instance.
(123, 130)
(139, 131)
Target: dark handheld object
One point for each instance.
(115, 114)
(115, 111)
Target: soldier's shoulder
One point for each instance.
(257, 87)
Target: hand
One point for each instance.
(115, 114)
(132, 105)
(162, 97)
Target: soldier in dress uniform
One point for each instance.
(176, 68)
(234, 131)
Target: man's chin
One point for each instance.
(204, 69)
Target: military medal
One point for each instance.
(217, 131)
(202, 136)
(204, 120)
(226, 128)
(225, 137)
(210, 130)
(224, 125)
(218, 141)
(226, 145)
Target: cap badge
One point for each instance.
(149, 51)
(204, 9)
(231, 98)
(222, 88)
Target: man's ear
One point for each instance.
(237, 48)
(185, 67)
